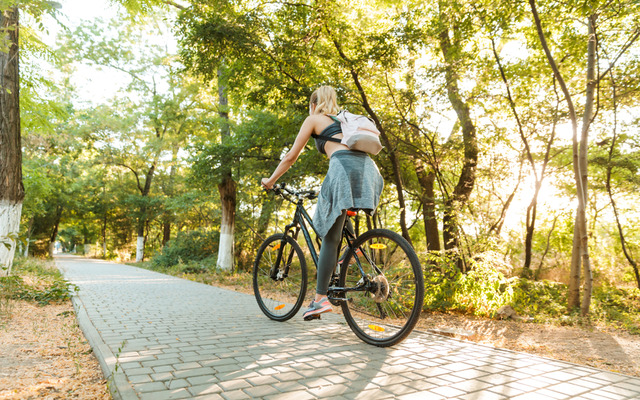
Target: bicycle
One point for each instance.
(377, 282)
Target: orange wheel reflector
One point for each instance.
(277, 246)
(351, 213)
(378, 246)
(376, 328)
(280, 307)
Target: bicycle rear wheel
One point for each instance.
(280, 289)
(384, 305)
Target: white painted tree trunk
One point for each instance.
(225, 248)
(9, 228)
(140, 249)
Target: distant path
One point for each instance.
(169, 338)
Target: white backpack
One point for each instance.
(358, 133)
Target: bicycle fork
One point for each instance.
(276, 273)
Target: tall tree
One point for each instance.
(11, 186)
(590, 15)
(451, 37)
(227, 185)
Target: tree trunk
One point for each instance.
(104, 236)
(169, 191)
(580, 250)
(226, 188)
(11, 187)
(54, 231)
(530, 227)
(584, 149)
(143, 220)
(28, 238)
(466, 180)
(427, 180)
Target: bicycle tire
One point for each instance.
(280, 299)
(384, 311)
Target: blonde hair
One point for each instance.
(325, 101)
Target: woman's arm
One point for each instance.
(292, 155)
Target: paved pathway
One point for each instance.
(158, 337)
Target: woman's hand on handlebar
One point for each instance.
(266, 184)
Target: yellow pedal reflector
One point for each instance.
(378, 246)
(280, 307)
(376, 328)
(277, 246)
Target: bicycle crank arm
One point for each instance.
(340, 299)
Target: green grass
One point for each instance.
(33, 280)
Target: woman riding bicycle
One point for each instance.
(353, 182)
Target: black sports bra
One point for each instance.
(327, 135)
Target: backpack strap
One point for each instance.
(325, 138)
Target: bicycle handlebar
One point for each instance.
(283, 190)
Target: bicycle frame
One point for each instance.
(299, 223)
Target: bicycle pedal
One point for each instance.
(312, 317)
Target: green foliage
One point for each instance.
(542, 299)
(484, 289)
(187, 247)
(617, 307)
(481, 291)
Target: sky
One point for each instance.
(95, 84)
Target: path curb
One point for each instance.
(117, 383)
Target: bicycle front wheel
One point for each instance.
(383, 283)
(280, 277)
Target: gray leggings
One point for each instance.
(328, 257)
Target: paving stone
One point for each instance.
(484, 395)
(190, 373)
(178, 384)
(234, 384)
(150, 387)
(261, 391)
(616, 389)
(140, 379)
(295, 395)
(209, 388)
(167, 395)
(471, 385)
(235, 395)
(181, 339)
(447, 391)
(568, 389)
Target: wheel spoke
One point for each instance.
(386, 312)
(280, 298)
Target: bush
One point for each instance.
(540, 298)
(481, 291)
(186, 248)
(617, 307)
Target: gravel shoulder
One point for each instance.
(44, 355)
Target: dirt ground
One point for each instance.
(45, 356)
(598, 347)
